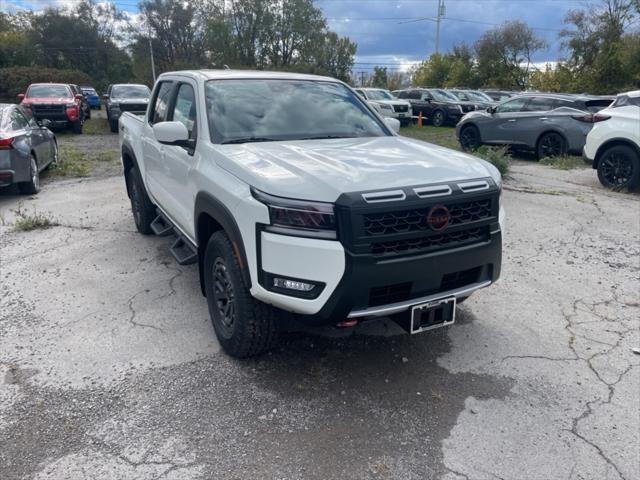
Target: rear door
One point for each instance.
(536, 117)
(155, 167)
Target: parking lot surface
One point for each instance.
(109, 367)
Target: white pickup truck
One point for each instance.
(300, 203)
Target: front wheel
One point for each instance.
(142, 208)
(244, 326)
(32, 186)
(438, 118)
(619, 167)
(469, 138)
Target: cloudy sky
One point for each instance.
(387, 31)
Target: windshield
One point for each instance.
(130, 91)
(268, 110)
(379, 95)
(48, 91)
(89, 91)
(480, 96)
(443, 96)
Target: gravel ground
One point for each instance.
(109, 368)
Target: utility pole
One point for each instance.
(153, 65)
(441, 11)
(362, 79)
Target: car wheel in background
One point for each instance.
(438, 118)
(76, 127)
(33, 185)
(142, 208)
(113, 125)
(244, 326)
(405, 122)
(551, 144)
(88, 114)
(469, 138)
(619, 167)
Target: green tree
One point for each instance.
(380, 78)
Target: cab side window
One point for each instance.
(514, 105)
(184, 110)
(539, 104)
(161, 103)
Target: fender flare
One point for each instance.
(127, 152)
(214, 208)
(610, 143)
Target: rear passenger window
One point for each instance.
(185, 109)
(161, 103)
(18, 121)
(539, 104)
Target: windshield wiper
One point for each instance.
(323, 137)
(249, 140)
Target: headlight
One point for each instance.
(299, 217)
(386, 107)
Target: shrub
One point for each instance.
(497, 156)
(564, 162)
(15, 80)
(26, 222)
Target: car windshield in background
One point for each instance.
(442, 96)
(89, 91)
(48, 91)
(379, 95)
(130, 91)
(269, 110)
(479, 97)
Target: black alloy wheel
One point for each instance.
(619, 167)
(551, 145)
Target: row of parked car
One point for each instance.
(548, 124)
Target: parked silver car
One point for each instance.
(26, 148)
(549, 124)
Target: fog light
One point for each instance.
(292, 284)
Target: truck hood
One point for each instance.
(48, 100)
(324, 169)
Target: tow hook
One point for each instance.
(347, 323)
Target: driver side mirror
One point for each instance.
(20, 97)
(392, 123)
(491, 110)
(173, 133)
(45, 123)
(79, 96)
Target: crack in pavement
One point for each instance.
(134, 313)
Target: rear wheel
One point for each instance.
(244, 326)
(619, 167)
(438, 118)
(469, 138)
(32, 186)
(142, 208)
(551, 144)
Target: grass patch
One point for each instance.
(96, 126)
(105, 156)
(72, 162)
(443, 136)
(565, 162)
(25, 221)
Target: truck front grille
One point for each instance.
(133, 107)
(43, 110)
(431, 243)
(400, 108)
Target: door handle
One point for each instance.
(544, 118)
(512, 120)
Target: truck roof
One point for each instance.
(247, 74)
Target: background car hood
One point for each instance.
(323, 169)
(49, 100)
(391, 102)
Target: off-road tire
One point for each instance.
(143, 210)
(32, 186)
(252, 329)
(626, 161)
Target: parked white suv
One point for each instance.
(299, 203)
(613, 144)
(387, 105)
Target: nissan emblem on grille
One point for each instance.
(438, 218)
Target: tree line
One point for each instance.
(113, 46)
(601, 43)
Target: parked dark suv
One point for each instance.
(549, 124)
(438, 105)
(125, 97)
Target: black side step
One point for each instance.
(161, 227)
(183, 252)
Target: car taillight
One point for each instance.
(591, 117)
(6, 143)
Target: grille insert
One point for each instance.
(389, 294)
(133, 107)
(431, 243)
(415, 220)
(400, 108)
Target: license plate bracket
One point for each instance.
(431, 315)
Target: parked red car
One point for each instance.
(55, 102)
